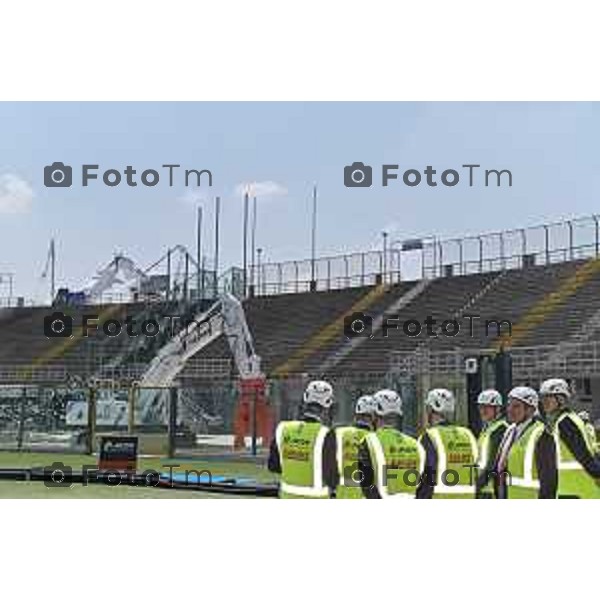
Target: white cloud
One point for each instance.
(193, 198)
(261, 189)
(15, 194)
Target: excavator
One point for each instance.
(225, 317)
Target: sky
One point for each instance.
(280, 150)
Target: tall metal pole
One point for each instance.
(202, 283)
(384, 234)
(52, 269)
(217, 211)
(570, 226)
(198, 252)
(168, 274)
(313, 241)
(245, 242)
(258, 263)
(253, 241)
(187, 277)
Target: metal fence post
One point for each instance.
(254, 421)
(131, 408)
(91, 421)
(172, 423)
(22, 415)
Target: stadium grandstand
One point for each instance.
(539, 289)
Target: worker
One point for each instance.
(392, 461)
(578, 462)
(450, 451)
(494, 425)
(304, 451)
(348, 442)
(584, 415)
(526, 465)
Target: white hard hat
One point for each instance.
(319, 392)
(387, 402)
(524, 394)
(441, 400)
(490, 398)
(365, 405)
(552, 387)
(584, 415)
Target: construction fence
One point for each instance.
(184, 421)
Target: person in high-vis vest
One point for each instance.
(392, 462)
(526, 465)
(304, 451)
(450, 451)
(349, 440)
(578, 462)
(584, 415)
(494, 425)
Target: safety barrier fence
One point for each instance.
(183, 420)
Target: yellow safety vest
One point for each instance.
(522, 480)
(457, 452)
(398, 462)
(573, 480)
(349, 440)
(300, 445)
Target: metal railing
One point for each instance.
(573, 360)
(327, 273)
(546, 244)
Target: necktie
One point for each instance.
(509, 439)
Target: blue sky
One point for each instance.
(550, 148)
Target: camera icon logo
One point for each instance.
(58, 475)
(353, 475)
(58, 175)
(358, 175)
(58, 325)
(358, 324)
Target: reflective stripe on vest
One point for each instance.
(376, 448)
(440, 486)
(317, 490)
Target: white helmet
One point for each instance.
(490, 398)
(441, 400)
(524, 394)
(319, 392)
(584, 415)
(365, 405)
(552, 387)
(387, 402)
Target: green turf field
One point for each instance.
(241, 467)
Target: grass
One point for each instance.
(229, 466)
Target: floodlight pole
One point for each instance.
(198, 252)
(245, 249)
(313, 241)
